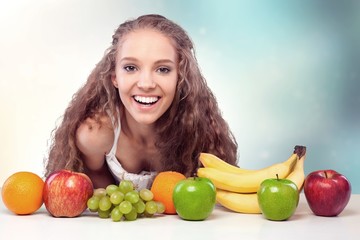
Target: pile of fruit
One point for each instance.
(124, 202)
(252, 191)
(68, 194)
(238, 185)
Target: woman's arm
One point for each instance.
(94, 141)
(100, 178)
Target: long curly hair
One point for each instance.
(192, 124)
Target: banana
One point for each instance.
(237, 188)
(298, 174)
(238, 202)
(248, 202)
(211, 161)
(246, 182)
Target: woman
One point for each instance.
(145, 108)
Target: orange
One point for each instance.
(163, 187)
(22, 193)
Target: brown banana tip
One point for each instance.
(300, 150)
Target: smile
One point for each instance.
(146, 100)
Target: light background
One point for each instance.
(284, 72)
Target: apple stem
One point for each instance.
(326, 176)
(277, 176)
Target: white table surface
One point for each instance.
(222, 224)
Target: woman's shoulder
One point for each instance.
(95, 134)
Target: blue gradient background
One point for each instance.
(284, 72)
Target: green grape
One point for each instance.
(160, 207)
(104, 214)
(132, 196)
(123, 201)
(125, 207)
(126, 186)
(111, 188)
(132, 215)
(116, 214)
(116, 197)
(146, 194)
(100, 192)
(139, 206)
(93, 203)
(151, 207)
(104, 203)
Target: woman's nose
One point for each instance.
(146, 81)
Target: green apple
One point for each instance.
(278, 198)
(194, 198)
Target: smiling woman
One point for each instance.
(146, 75)
(145, 108)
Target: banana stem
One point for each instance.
(300, 150)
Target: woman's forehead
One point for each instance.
(147, 42)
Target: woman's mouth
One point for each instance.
(146, 100)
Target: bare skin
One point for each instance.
(95, 142)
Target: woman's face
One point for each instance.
(146, 74)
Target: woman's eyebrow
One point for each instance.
(132, 59)
(160, 61)
(163, 61)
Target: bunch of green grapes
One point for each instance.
(123, 201)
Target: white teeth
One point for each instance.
(146, 100)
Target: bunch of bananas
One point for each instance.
(237, 187)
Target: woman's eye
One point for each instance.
(163, 70)
(130, 68)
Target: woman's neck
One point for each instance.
(142, 134)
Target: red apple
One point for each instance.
(66, 193)
(327, 192)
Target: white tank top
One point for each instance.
(141, 180)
